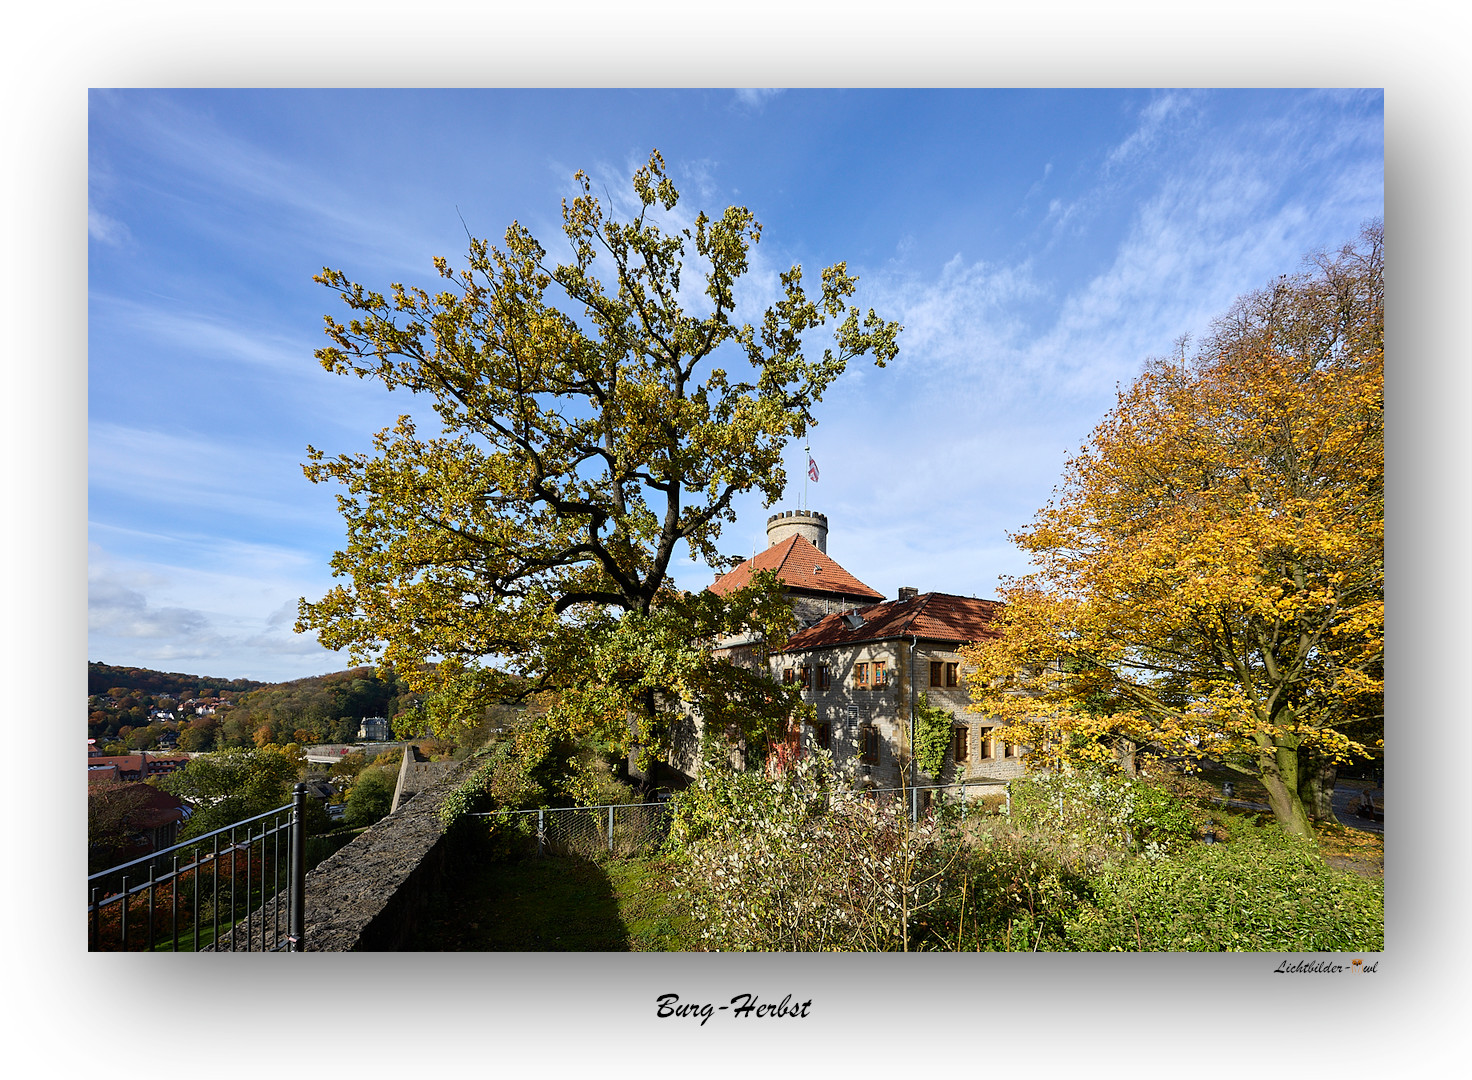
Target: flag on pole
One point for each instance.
(812, 469)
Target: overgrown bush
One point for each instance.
(1263, 891)
(1094, 811)
(802, 863)
(1007, 893)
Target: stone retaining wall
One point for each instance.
(367, 895)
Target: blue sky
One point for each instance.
(1038, 246)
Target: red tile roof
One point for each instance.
(932, 616)
(800, 565)
(150, 808)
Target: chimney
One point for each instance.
(907, 593)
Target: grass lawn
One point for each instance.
(556, 904)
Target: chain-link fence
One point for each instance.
(638, 828)
(587, 831)
(970, 797)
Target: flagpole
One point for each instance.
(806, 469)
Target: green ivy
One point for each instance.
(933, 727)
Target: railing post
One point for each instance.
(541, 824)
(914, 804)
(150, 906)
(296, 939)
(610, 828)
(174, 919)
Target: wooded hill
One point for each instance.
(104, 677)
(319, 708)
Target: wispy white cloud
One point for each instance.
(208, 162)
(1164, 110)
(115, 610)
(106, 230)
(208, 338)
(756, 98)
(1007, 361)
(196, 474)
(1006, 367)
(280, 366)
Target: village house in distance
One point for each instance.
(863, 662)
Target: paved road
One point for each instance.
(1345, 800)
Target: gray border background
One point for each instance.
(378, 1014)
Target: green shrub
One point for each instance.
(470, 796)
(370, 798)
(531, 771)
(1263, 891)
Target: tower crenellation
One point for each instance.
(809, 524)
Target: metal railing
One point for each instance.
(231, 889)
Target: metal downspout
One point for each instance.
(914, 701)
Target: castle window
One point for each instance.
(788, 676)
(879, 674)
(861, 676)
(935, 672)
(961, 745)
(805, 677)
(869, 744)
(953, 674)
(822, 676)
(984, 745)
(823, 736)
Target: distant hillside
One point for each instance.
(104, 677)
(318, 708)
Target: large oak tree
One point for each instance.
(589, 425)
(1210, 573)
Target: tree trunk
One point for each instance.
(1280, 777)
(1125, 754)
(1316, 776)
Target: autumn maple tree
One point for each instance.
(588, 426)
(1210, 573)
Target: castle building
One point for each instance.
(864, 671)
(797, 552)
(863, 661)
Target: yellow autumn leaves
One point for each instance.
(1210, 575)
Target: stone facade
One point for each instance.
(846, 706)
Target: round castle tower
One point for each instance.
(809, 524)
